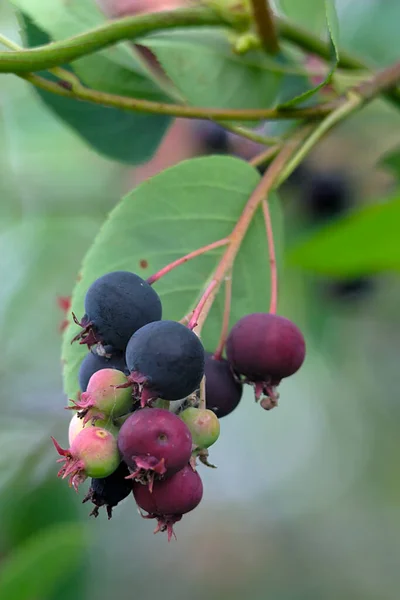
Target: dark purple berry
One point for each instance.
(154, 441)
(223, 391)
(265, 348)
(93, 362)
(170, 499)
(109, 491)
(166, 360)
(116, 305)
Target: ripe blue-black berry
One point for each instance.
(154, 441)
(116, 305)
(93, 362)
(166, 360)
(223, 391)
(170, 498)
(109, 491)
(265, 348)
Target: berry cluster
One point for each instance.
(124, 433)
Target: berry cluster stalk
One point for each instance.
(272, 257)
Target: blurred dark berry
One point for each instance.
(93, 362)
(223, 391)
(109, 491)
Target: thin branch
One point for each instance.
(264, 20)
(264, 157)
(78, 91)
(272, 257)
(251, 135)
(225, 320)
(184, 259)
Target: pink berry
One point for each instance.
(93, 453)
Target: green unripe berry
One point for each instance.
(203, 425)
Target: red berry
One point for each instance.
(154, 441)
(171, 498)
(223, 392)
(265, 348)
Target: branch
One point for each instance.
(264, 20)
(128, 28)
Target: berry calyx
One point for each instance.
(116, 305)
(265, 348)
(203, 425)
(77, 424)
(93, 362)
(93, 453)
(166, 360)
(170, 498)
(223, 390)
(154, 442)
(109, 491)
(108, 392)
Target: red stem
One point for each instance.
(180, 261)
(225, 320)
(197, 311)
(272, 257)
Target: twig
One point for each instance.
(184, 259)
(225, 320)
(272, 257)
(264, 20)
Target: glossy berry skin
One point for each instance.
(109, 491)
(223, 392)
(155, 439)
(116, 305)
(167, 358)
(93, 453)
(170, 498)
(76, 425)
(93, 363)
(265, 347)
(203, 425)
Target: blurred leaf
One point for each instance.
(308, 13)
(119, 135)
(328, 7)
(207, 72)
(34, 568)
(365, 242)
(175, 212)
(391, 161)
(371, 29)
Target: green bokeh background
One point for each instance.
(305, 503)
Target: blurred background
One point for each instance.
(305, 503)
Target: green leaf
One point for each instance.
(119, 135)
(175, 212)
(391, 161)
(371, 29)
(208, 73)
(333, 31)
(310, 14)
(362, 243)
(34, 568)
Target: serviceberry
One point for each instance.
(166, 360)
(203, 425)
(105, 395)
(170, 498)
(109, 491)
(93, 453)
(77, 424)
(93, 362)
(116, 305)
(223, 391)
(154, 441)
(265, 348)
